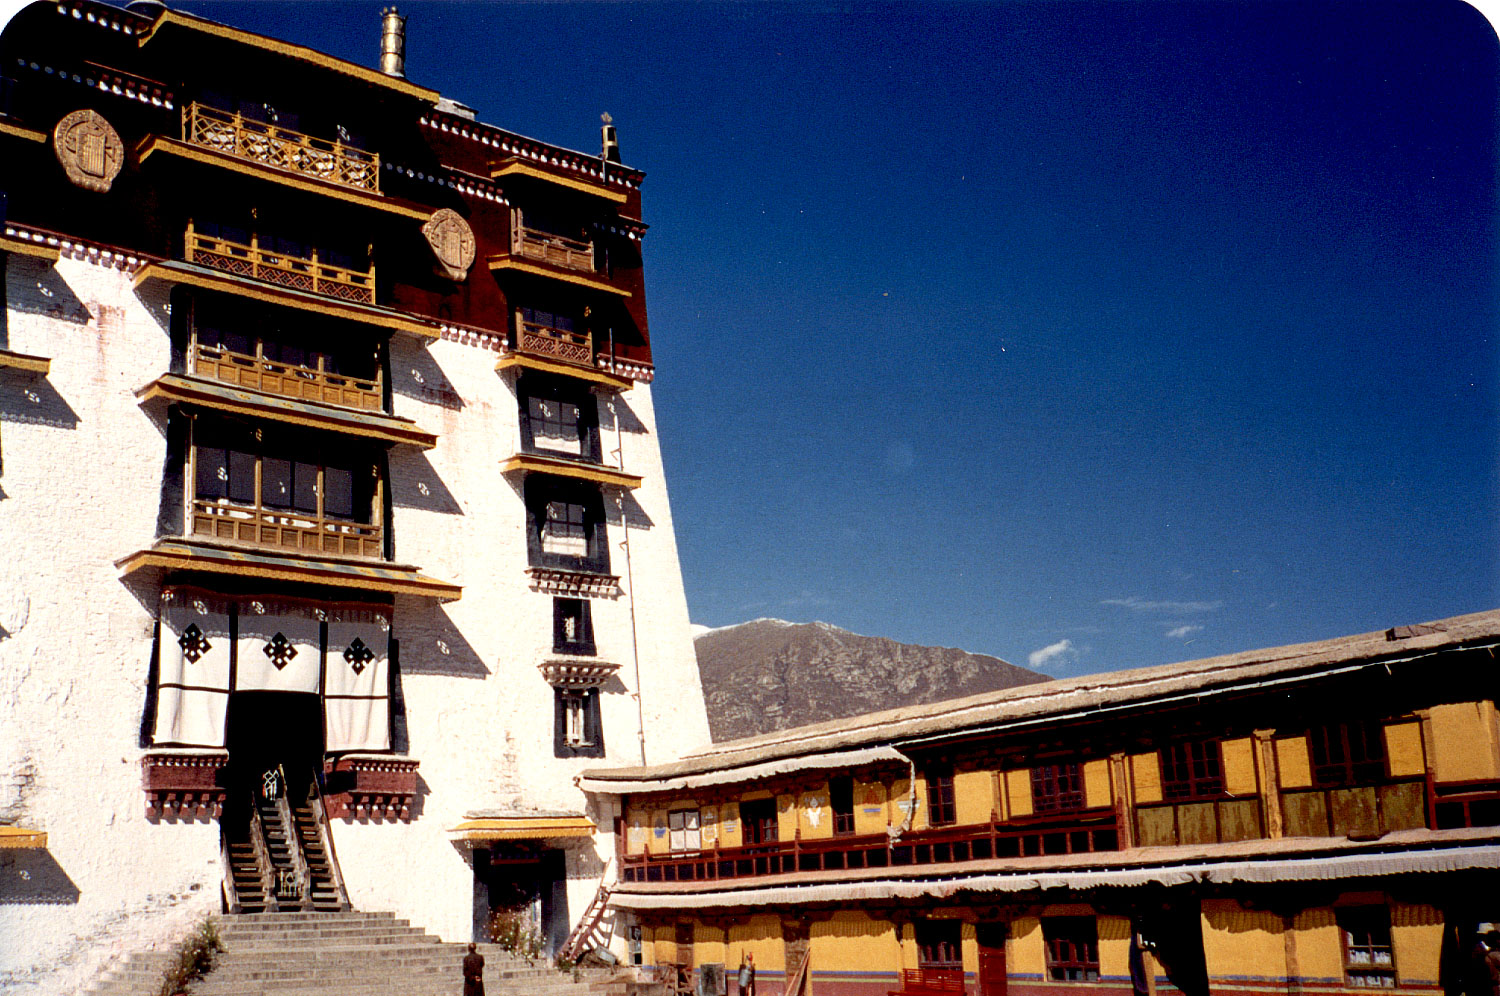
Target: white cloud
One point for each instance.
(1135, 604)
(1039, 659)
(1183, 632)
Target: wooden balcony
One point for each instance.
(570, 254)
(284, 530)
(1085, 832)
(280, 269)
(281, 148)
(543, 340)
(284, 379)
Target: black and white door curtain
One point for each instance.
(213, 645)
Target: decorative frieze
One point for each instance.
(371, 787)
(183, 784)
(577, 584)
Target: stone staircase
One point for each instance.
(349, 954)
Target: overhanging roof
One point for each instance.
(1406, 853)
(542, 364)
(245, 401)
(23, 361)
(536, 463)
(523, 828)
(20, 837)
(1093, 696)
(179, 272)
(606, 782)
(301, 53)
(185, 555)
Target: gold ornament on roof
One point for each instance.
(89, 149)
(452, 242)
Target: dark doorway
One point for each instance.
(991, 943)
(938, 945)
(758, 821)
(521, 886)
(264, 730)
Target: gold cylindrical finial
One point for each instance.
(609, 139)
(392, 43)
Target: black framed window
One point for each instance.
(1072, 944)
(1192, 770)
(578, 728)
(841, 801)
(559, 417)
(1346, 754)
(758, 821)
(572, 627)
(941, 810)
(1057, 788)
(237, 465)
(1369, 959)
(939, 944)
(565, 522)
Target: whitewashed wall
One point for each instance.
(81, 480)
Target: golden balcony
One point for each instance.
(281, 269)
(283, 530)
(282, 148)
(287, 380)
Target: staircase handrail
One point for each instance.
(325, 837)
(294, 843)
(572, 948)
(263, 864)
(226, 867)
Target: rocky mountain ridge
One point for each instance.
(770, 674)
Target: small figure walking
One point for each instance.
(473, 972)
(747, 975)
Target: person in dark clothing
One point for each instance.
(473, 973)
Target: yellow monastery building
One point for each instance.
(1313, 818)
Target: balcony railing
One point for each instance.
(558, 250)
(283, 530)
(1085, 832)
(544, 340)
(280, 147)
(280, 269)
(286, 379)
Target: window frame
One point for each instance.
(1374, 924)
(1185, 770)
(767, 828)
(843, 816)
(939, 944)
(584, 703)
(1062, 963)
(1339, 754)
(1057, 788)
(583, 643)
(942, 809)
(533, 387)
(691, 837)
(541, 489)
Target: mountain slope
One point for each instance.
(769, 675)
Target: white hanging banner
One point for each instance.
(356, 691)
(280, 647)
(192, 678)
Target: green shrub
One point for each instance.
(193, 958)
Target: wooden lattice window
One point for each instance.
(941, 810)
(841, 801)
(1369, 961)
(1072, 944)
(1345, 754)
(1057, 788)
(1191, 770)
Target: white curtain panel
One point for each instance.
(280, 648)
(356, 691)
(193, 669)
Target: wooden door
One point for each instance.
(991, 943)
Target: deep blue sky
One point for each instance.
(1139, 331)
